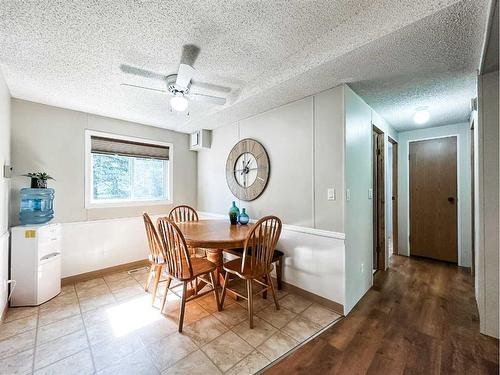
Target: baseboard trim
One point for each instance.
(332, 305)
(93, 274)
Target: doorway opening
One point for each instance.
(392, 197)
(378, 199)
(433, 198)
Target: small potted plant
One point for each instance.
(38, 179)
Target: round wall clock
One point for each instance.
(247, 169)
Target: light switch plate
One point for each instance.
(331, 194)
(370, 193)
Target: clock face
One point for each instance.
(247, 169)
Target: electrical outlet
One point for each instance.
(362, 267)
(347, 194)
(370, 193)
(331, 194)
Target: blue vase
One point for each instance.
(37, 206)
(234, 213)
(243, 219)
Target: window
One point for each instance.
(123, 171)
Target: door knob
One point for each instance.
(451, 199)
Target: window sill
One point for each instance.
(123, 204)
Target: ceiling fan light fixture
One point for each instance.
(421, 115)
(179, 103)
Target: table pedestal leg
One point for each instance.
(215, 256)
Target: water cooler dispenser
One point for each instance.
(35, 263)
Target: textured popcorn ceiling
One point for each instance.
(397, 54)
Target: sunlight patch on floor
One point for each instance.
(132, 315)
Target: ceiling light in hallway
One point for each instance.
(422, 115)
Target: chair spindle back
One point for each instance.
(177, 255)
(156, 250)
(181, 214)
(261, 242)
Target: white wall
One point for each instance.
(359, 209)
(51, 139)
(319, 142)
(462, 131)
(305, 143)
(328, 160)
(4, 190)
(304, 140)
(487, 204)
(359, 121)
(287, 135)
(94, 245)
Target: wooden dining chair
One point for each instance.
(256, 264)
(183, 213)
(277, 260)
(184, 268)
(157, 257)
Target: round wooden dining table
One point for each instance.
(214, 236)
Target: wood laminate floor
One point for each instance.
(420, 317)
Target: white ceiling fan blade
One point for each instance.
(143, 87)
(207, 98)
(184, 76)
(209, 86)
(141, 72)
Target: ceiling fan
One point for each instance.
(180, 85)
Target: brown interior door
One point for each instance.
(433, 199)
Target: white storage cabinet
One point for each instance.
(35, 263)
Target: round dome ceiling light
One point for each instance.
(179, 103)
(421, 115)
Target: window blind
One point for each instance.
(110, 146)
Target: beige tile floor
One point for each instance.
(108, 326)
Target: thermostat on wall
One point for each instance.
(200, 139)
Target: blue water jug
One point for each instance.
(37, 206)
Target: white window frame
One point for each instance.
(89, 203)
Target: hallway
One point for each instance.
(420, 317)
